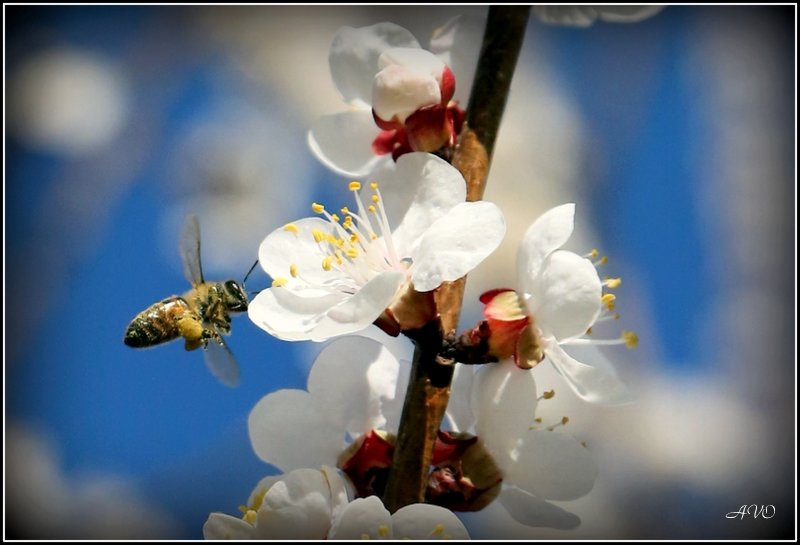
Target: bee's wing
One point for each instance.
(190, 251)
(220, 361)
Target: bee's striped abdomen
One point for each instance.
(157, 323)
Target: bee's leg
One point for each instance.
(193, 332)
(218, 316)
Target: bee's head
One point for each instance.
(235, 296)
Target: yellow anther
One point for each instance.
(293, 270)
(371, 208)
(244, 509)
(608, 300)
(564, 421)
(278, 282)
(375, 198)
(353, 238)
(250, 516)
(613, 282)
(348, 222)
(594, 253)
(438, 530)
(352, 253)
(538, 419)
(631, 339)
(317, 208)
(326, 262)
(373, 236)
(345, 210)
(603, 260)
(374, 185)
(549, 394)
(335, 218)
(292, 228)
(354, 186)
(589, 331)
(318, 235)
(383, 530)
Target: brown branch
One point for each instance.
(429, 385)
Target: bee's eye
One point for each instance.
(237, 300)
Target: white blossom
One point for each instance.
(298, 505)
(558, 300)
(384, 75)
(334, 276)
(367, 518)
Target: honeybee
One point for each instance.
(201, 315)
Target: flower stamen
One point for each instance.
(550, 394)
(630, 338)
(608, 300)
(563, 422)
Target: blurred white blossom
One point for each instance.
(68, 101)
(583, 16)
(44, 503)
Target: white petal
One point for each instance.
(262, 487)
(530, 510)
(402, 348)
(341, 489)
(398, 92)
(354, 56)
(283, 248)
(592, 384)
(361, 309)
(415, 59)
(437, 187)
(456, 243)
(290, 316)
(547, 234)
(565, 296)
(222, 526)
(288, 430)
(343, 142)
(393, 407)
(458, 43)
(551, 465)
(296, 507)
(363, 518)
(459, 408)
(426, 521)
(349, 379)
(504, 402)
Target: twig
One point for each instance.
(429, 385)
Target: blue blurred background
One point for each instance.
(675, 136)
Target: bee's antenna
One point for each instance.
(248, 272)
